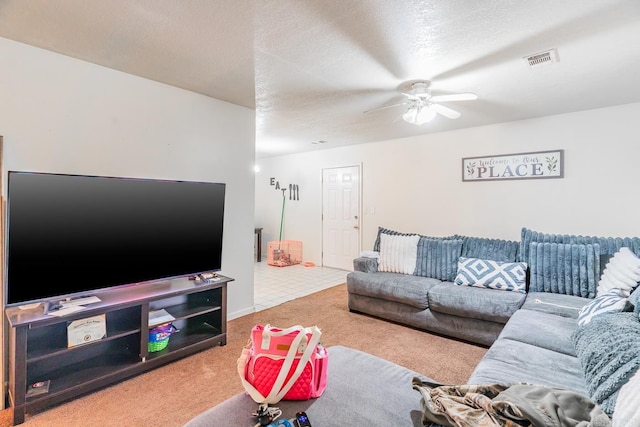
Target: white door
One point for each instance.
(340, 217)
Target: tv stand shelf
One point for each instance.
(38, 346)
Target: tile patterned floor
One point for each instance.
(275, 285)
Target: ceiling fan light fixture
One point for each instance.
(423, 107)
(410, 115)
(418, 115)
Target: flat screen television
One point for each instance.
(71, 235)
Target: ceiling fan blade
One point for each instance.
(454, 97)
(446, 111)
(386, 106)
(415, 97)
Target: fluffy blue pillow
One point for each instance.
(486, 273)
(438, 258)
(609, 352)
(571, 269)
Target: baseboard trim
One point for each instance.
(240, 313)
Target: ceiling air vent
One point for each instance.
(542, 58)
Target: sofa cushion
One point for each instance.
(541, 329)
(365, 264)
(402, 288)
(438, 258)
(486, 273)
(509, 361)
(571, 269)
(609, 302)
(398, 253)
(609, 351)
(475, 303)
(558, 304)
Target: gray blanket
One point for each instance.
(507, 405)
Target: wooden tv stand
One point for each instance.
(38, 346)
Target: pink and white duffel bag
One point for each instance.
(283, 364)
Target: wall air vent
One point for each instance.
(541, 58)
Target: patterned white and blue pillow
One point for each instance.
(612, 301)
(486, 273)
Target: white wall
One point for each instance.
(62, 115)
(415, 185)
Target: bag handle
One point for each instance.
(242, 366)
(269, 331)
(276, 394)
(273, 397)
(306, 356)
(293, 348)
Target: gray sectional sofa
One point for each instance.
(555, 334)
(426, 299)
(534, 337)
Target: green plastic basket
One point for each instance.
(158, 345)
(159, 336)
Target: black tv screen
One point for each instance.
(69, 235)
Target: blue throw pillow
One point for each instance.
(485, 273)
(438, 258)
(487, 248)
(609, 302)
(571, 269)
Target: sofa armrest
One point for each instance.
(366, 265)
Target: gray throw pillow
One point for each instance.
(634, 299)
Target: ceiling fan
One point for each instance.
(423, 106)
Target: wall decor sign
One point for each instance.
(539, 164)
(294, 189)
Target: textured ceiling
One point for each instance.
(311, 68)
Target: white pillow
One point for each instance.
(398, 253)
(622, 272)
(627, 409)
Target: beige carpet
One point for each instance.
(173, 394)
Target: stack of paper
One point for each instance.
(158, 317)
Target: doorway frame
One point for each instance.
(359, 166)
